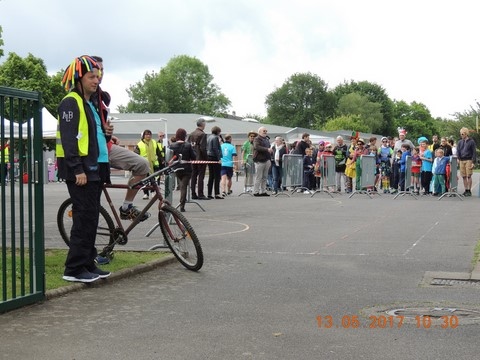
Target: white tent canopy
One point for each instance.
(49, 123)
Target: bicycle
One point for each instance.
(177, 231)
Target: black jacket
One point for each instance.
(214, 150)
(198, 139)
(186, 150)
(73, 164)
(261, 145)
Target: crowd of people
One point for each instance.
(429, 169)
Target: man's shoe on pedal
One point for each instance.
(102, 260)
(131, 213)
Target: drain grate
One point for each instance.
(455, 282)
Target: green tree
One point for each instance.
(468, 119)
(30, 73)
(1, 42)
(302, 101)
(347, 122)
(369, 113)
(415, 118)
(184, 85)
(375, 94)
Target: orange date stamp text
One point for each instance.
(382, 322)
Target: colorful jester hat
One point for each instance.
(77, 69)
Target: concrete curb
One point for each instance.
(139, 269)
(476, 272)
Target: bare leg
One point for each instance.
(223, 184)
(469, 183)
(131, 193)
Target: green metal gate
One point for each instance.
(22, 259)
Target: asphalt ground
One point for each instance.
(294, 277)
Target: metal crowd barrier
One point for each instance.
(293, 172)
(453, 181)
(327, 174)
(368, 165)
(408, 180)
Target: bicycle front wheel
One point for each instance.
(104, 230)
(180, 237)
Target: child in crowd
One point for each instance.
(373, 150)
(327, 152)
(308, 170)
(350, 166)
(396, 171)
(403, 165)
(439, 172)
(319, 168)
(385, 153)
(416, 165)
(427, 160)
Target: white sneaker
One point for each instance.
(306, 192)
(145, 197)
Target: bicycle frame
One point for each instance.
(136, 221)
(178, 234)
(148, 183)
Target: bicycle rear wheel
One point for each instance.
(180, 237)
(104, 239)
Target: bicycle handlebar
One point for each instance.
(168, 170)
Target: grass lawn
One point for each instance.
(476, 254)
(54, 266)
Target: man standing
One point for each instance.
(81, 148)
(402, 140)
(198, 139)
(303, 144)
(435, 144)
(466, 152)
(247, 150)
(261, 157)
(161, 149)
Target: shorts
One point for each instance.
(227, 170)
(465, 167)
(124, 159)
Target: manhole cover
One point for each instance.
(424, 316)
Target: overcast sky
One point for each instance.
(417, 50)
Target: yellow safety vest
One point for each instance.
(82, 129)
(143, 150)
(5, 154)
